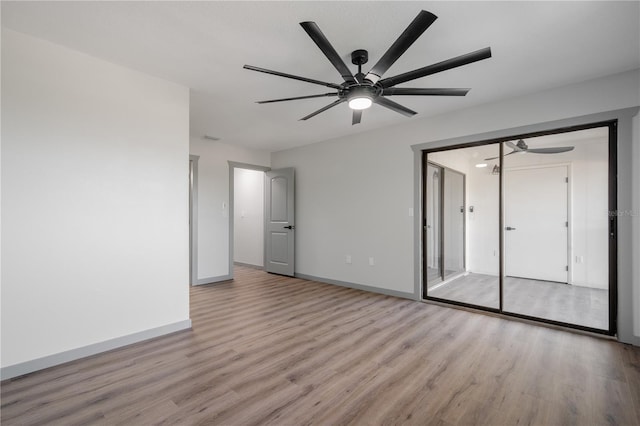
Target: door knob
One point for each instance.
(290, 227)
(509, 228)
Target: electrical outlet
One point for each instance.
(371, 263)
(347, 259)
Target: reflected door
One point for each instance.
(536, 223)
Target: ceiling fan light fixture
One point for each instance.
(360, 102)
(360, 98)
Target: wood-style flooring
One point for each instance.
(588, 307)
(267, 349)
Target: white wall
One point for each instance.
(353, 193)
(353, 197)
(94, 197)
(248, 215)
(213, 203)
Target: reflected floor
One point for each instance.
(434, 276)
(543, 299)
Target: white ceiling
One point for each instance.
(203, 45)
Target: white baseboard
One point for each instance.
(379, 290)
(212, 280)
(249, 265)
(93, 349)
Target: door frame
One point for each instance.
(233, 165)
(193, 219)
(620, 124)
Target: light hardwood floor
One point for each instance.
(267, 349)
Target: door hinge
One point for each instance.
(566, 224)
(566, 180)
(566, 268)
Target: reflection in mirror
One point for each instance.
(556, 227)
(461, 232)
(433, 258)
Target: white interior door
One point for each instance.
(536, 223)
(279, 221)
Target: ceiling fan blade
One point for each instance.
(458, 61)
(415, 29)
(394, 106)
(323, 109)
(298, 97)
(393, 91)
(495, 158)
(319, 38)
(357, 116)
(555, 150)
(295, 77)
(512, 145)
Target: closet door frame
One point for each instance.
(612, 125)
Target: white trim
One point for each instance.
(89, 350)
(193, 219)
(249, 265)
(212, 280)
(370, 289)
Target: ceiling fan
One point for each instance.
(522, 147)
(360, 90)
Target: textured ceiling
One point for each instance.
(203, 45)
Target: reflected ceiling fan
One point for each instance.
(522, 147)
(360, 90)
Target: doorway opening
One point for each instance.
(246, 215)
(537, 240)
